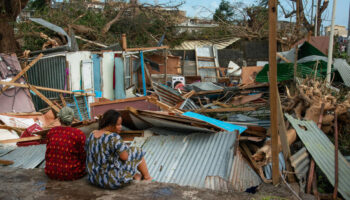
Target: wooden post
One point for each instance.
(282, 131)
(273, 89)
(124, 44)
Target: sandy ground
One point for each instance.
(33, 184)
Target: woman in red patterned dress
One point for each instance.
(65, 155)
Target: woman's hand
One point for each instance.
(124, 156)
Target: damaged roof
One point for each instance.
(220, 43)
(189, 160)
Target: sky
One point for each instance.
(205, 8)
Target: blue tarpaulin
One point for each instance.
(218, 123)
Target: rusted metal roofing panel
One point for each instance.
(220, 43)
(216, 183)
(322, 151)
(320, 42)
(188, 160)
(26, 157)
(241, 175)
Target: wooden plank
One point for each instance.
(283, 137)
(25, 139)
(147, 48)
(52, 105)
(22, 72)
(202, 58)
(189, 94)
(63, 101)
(209, 67)
(227, 110)
(273, 89)
(283, 58)
(45, 88)
(6, 162)
(118, 101)
(209, 92)
(163, 105)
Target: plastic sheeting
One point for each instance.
(218, 123)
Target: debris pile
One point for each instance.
(202, 125)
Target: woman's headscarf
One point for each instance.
(66, 115)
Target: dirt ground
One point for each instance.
(33, 184)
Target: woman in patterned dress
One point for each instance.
(110, 162)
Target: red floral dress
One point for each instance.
(65, 155)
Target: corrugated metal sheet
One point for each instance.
(208, 74)
(188, 160)
(216, 183)
(241, 175)
(322, 151)
(47, 72)
(344, 70)
(26, 157)
(167, 95)
(300, 162)
(268, 168)
(220, 43)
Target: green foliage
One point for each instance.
(142, 29)
(37, 4)
(258, 17)
(224, 13)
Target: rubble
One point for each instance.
(211, 129)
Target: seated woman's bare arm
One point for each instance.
(124, 155)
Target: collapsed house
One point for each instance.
(202, 124)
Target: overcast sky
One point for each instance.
(205, 8)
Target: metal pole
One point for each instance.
(273, 89)
(143, 74)
(316, 17)
(312, 11)
(330, 48)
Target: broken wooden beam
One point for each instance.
(52, 105)
(6, 162)
(209, 92)
(14, 79)
(24, 139)
(243, 109)
(91, 42)
(147, 48)
(45, 88)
